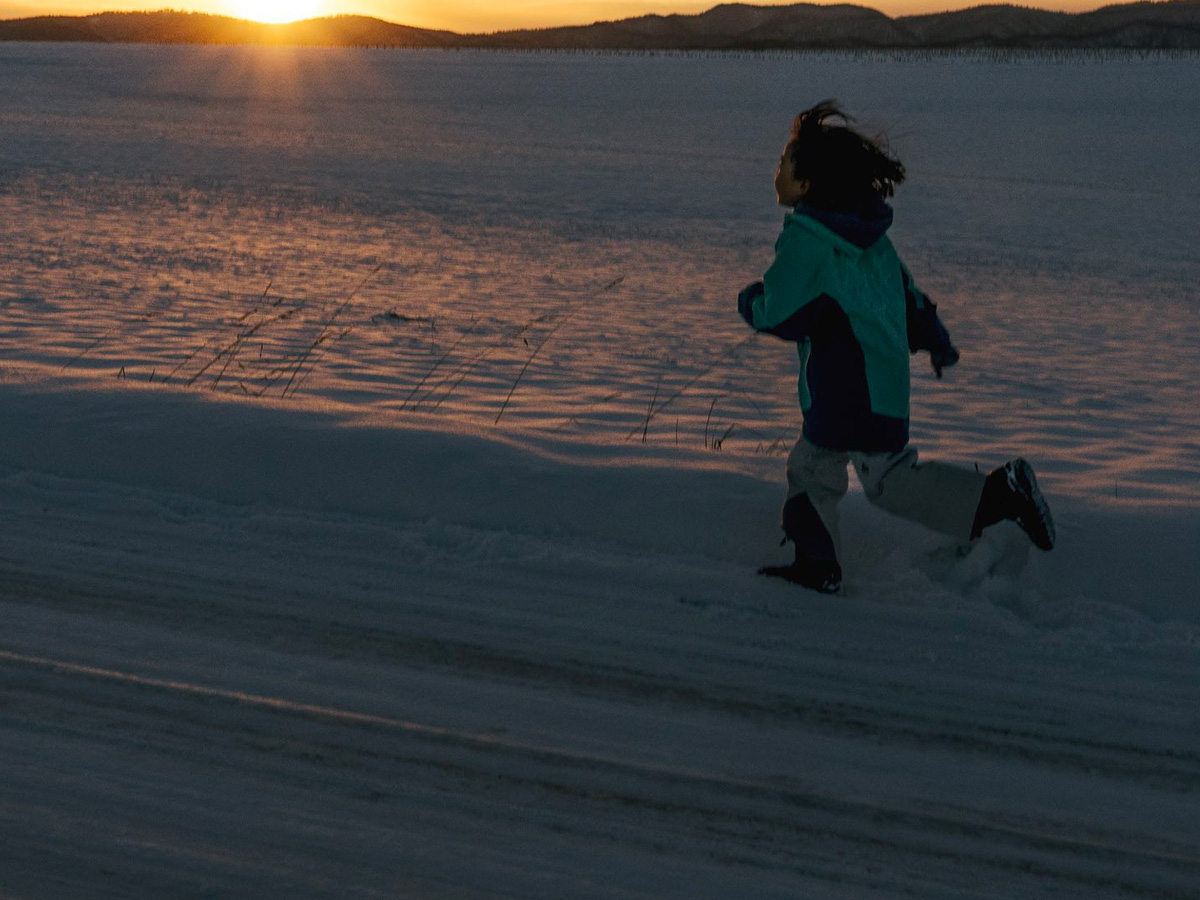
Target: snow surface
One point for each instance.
(384, 470)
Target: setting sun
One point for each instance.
(276, 11)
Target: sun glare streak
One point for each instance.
(276, 12)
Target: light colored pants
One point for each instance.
(938, 496)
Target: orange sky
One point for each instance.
(471, 15)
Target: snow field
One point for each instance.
(222, 206)
(385, 469)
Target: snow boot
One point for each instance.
(816, 566)
(822, 577)
(1011, 494)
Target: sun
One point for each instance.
(276, 12)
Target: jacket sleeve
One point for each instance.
(785, 305)
(925, 329)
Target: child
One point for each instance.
(838, 289)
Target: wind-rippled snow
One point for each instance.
(207, 218)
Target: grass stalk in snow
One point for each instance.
(151, 309)
(84, 352)
(244, 316)
(650, 412)
(549, 334)
(233, 346)
(230, 350)
(437, 364)
(718, 442)
(679, 393)
(708, 419)
(187, 359)
(329, 339)
(325, 330)
(465, 368)
(237, 344)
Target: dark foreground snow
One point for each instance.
(574, 689)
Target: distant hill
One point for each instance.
(1171, 25)
(1174, 24)
(727, 26)
(168, 27)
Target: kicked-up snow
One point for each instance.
(385, 468)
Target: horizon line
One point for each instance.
(528, 28)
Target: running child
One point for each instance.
(838, 289)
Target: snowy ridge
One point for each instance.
(549, 686)
(332, 463)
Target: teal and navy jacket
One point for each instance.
(839, 290)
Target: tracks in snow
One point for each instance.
(759, 821)
(588, 723)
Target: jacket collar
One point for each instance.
(862, 229)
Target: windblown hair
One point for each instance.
(848, 171)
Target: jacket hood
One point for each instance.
(862, 229)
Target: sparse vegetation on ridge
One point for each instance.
(1169, 25)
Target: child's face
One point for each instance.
(788, 189)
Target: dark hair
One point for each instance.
(847, 170)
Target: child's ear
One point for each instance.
(804, 185)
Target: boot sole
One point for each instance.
(789, 573)
(1041, 529)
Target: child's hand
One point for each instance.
(746, 301)
(943, 359)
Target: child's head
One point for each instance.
(832, 166)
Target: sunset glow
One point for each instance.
(277, 11)
(467, 15)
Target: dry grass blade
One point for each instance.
(465, 368)
(549, 334)
(650, 410)
(237, 344)
(86, 350)
(437, 364)
(679, 393)
(187, 359)
(462, 372)
(230, 350)
(325, 330)
(708, 419)
(244, 316)
(329, 339)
